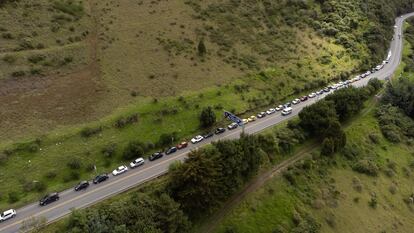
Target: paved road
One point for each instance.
(69, 199)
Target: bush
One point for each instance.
(3, 158)
(74, 164)
(109, 150)
(167, 139)
(73, 175)
(366, 166)
(51, 174)
(14, 197)
(9, 59)
(36, 58)
(207, 117)
(373, 202)
(124, 121)
(89, 132)
(374, 138)
(18, 73)
(133, 150)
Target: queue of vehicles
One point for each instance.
(285, 110)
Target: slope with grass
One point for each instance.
(142, 73)
(333, 194)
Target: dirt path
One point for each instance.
(211, 224)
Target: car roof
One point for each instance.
(288, 109)
(8, 211)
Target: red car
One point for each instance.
(182, 145)
(303, 98)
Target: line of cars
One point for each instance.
(285, 110)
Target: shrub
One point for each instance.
(9, 59)
(167, 139)
(88, 132)
(14, 197)
(51, 174)
(18, 73)
(207, 117)
(3, 158)
(124, 121)
(90, 167)
(133, 150)
(373, 202)
(109, 150)
(74, 164)
(374, 138)
(366, 166)
(36, 58)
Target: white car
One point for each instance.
(197, 139)
(279, 108)
(270, 111)
(296, 101)
(120, 170)
(312, 95)
(287, 111)
(8, 214)
(136, 163)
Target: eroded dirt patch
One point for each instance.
(39, 103)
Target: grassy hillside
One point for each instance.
(333, 194)
(141, 60)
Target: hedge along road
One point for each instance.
(69, 199)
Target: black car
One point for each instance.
(261, 115)
(220, 130)
(52, 197)
(287, 105)
(208, 135)
(171, 150)
(155, 156)
(100, 178)
(82, 185)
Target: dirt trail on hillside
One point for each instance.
(255, 184)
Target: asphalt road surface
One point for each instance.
(69, 199)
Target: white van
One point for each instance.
(287, 111)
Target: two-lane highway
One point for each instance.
(69, 199)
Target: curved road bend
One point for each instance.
(69, 199)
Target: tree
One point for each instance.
(328, 147)
(134, 149)
(167, 139)
(207, 117)
(196, 183)
(347, 102)
(401, 94)
(201, 48)
(316, 118)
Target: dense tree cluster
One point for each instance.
(140, 213)
(401, 94)
(210, 176)
(322, 120)
(207, 117)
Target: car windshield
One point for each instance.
(2, 215)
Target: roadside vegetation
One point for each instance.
(211, 175)
(363, 187)
(200, 64)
